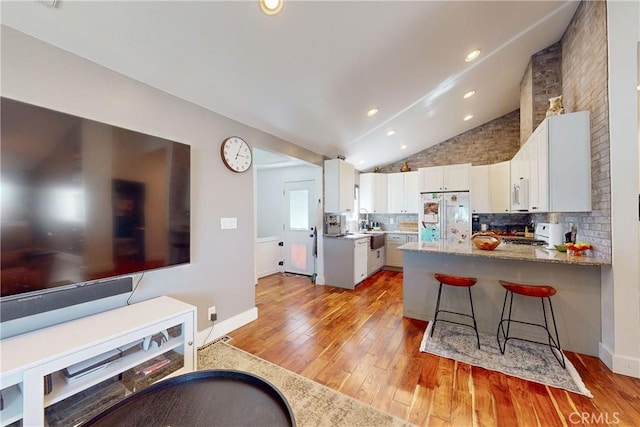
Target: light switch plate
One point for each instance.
(228, 223)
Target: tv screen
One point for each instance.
(84, 201)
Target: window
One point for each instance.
(299, 209)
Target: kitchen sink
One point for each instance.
(377, 240)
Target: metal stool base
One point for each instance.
(553, 342)
(472, 316)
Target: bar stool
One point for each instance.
(464, 282)
(537, 291)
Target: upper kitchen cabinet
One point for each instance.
(560, 164)
(519, 176)
(403, 191)
(373, 192)
(499, 187)
(445, 178)
(479, 191)
(490, 188)
(339, 185)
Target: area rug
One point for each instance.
(522, 359)
(313, 404)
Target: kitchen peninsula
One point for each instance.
(577, 278)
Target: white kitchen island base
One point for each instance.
(576, 304)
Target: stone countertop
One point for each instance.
(352, 236)
(507, 251)
(401, 232)
(387, 232)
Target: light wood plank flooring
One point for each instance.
(358, 342)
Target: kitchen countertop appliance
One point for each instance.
(549, 233)
(335, 225)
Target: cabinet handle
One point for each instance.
(190, 343)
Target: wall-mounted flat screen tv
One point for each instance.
(84, 201)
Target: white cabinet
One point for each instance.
(552, 171)
(490, 188)
(360, 260)
(445, 178)
(499, 187)
(520, 180)
(373, 192)
(393, 241)
(403, 192)
(339, 184)
(375, 261)
(537, 156)
(30, 360)
(479, 191)
(560, 164)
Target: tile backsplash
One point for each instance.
(391, 222)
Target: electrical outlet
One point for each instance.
(211, 313)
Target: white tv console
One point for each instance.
(27, 359)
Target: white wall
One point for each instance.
(269, 186)
(270, 200)
(620, 347)
(41, 74)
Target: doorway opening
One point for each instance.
(288, 215)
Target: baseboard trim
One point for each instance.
(606, 355)
(623, 365)
(268, 273)
(225, 326)
(626, 365)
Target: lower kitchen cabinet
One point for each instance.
(345, 261)
(395, 240)
(375, 261)
(360, 260)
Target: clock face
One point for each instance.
(236, 154)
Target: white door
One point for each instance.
(300, 216)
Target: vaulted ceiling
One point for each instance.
(310, 74)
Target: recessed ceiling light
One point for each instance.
(391, 132)
(472, 55)
(469, 94)
(403, 147)
(271, 7)
(468, 117)
(372, 112)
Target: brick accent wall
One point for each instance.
(492, 142)
(581, 55)
(542, 80)
(547, 80)
(585, 75)
(526, 104)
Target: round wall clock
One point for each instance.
(236, 154)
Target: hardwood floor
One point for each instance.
(358, 342)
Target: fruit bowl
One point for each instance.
(578, 248)
(487, 241)
(561, 248)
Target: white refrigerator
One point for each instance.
(445, 217)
